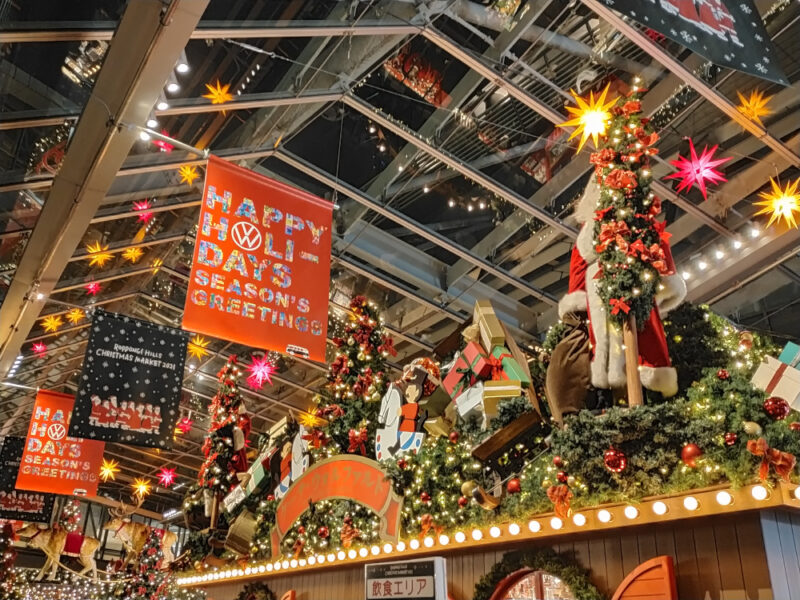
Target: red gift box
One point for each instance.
(471, 363)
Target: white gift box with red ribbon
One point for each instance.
(778, 379)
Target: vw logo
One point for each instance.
(56, 431)
(246, 236)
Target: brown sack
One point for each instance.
(568, 378)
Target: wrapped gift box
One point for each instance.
(790, 355)
(438, 426)
(436, 403)
(474, 403)
(490, 328)
(507, 388)
(471, 362)
(278, 429)
(234, 499)
(511, 367)
(777, 378)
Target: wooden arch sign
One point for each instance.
(344, 477)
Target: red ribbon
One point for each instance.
(782, 462)
(776, 378)
(619, 304)
(427, 523)
(316, 438)
(358, 440)
(560, 496)
(496, 363)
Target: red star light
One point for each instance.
(696, 170)
(92, 288)
(39, 349)
(166, 477)
(184, 425)
(143, 208)
(165, 146)
(261, 370)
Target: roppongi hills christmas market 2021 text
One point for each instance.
(418, 337)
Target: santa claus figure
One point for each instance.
(608, 354)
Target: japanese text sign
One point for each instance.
(422, 579)
(22, 506)
(261, 269)
(53, 462)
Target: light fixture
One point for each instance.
(579, 519)
(428, 542)
(331, 557)
(40, 296)
(312, 560)
(269, 567)
(737, 244)
(400, 168)
(400, 546)
(387, 548)
(759, 492)
(797, 492)
(494, 532)
(513, 529)
(382, 147)
(754, 232)
(182, 67)
(702, 265)
(293, 563)
(690, 503)
(719, 254)
(321, 559)
(341, 555)
(631, 512)
(686, 275)
(375, 550)
(173, 87)
(461, 537)
(414, 544)
(363, 552)
(444, 540)
(659, 508)
(144, 136)
(372, 129)
(724, 498)
(162, 105)
(534, 526)
(152, 123)
(477, 534)
(556, 523)
(426, 189)
(277, 566)
(603, 516)
(351, 554)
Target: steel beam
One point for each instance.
(675, 66)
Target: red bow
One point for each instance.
(334, 411)
(316, 438)
(782, 462)
(427, 523)
(496, 363)
(619, 304)
(600, 214)
(358, 441)
(387, 345)
(560, 496)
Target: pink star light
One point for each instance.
(261, 370)
(696, 170)
(166, 477)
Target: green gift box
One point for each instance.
(511, 368)
(259, 479)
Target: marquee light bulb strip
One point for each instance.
(697, 503)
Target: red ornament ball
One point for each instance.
(730, 438)
(562, 477)
(463, 501)
(690, 453)
(746, 340)
(453, 437)
(615, 460)
(558, 461)
(402, 464)
(794, 426)
(514, 486)
(777, 408)
(723, 374)
(270, 497)
(425, 497)
(323, 532)
(301, 530)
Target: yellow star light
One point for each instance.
(98, 254)
(132, 254)
(219, 93)
(590, 117)
(188, 174)
(755, 106)
(141, 487)
(197, 347)
(781, 204)
(109, 469)
(75, 315)
(309, 420)
(52, 323)
(156, 264)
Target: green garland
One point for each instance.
(256, 591)
(543, 559)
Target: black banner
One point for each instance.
(131, 382)
(16, 504)
(729, 33)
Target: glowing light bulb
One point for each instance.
(534, 526)
(400, 546)
(690, 503)
(631, 512)
(443, 540)
(461, 536)
(719, 255)
(724, 498)
(341, 555)
(686, 275)
(151, 123)
(387, 548)
(754, 232)
(312, 560)
(182, 67)
(173, 87)
(513, 529)
(162, 105)
(293, 563)
(579, 519)
(603, 516)
(702, 265)
(477, 534)
(428, 542)
(797, 493)
(759, 492)
(737, 244)
(556, 523)
(494, 532)
(414, 544)
(659, 508)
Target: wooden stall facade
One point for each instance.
(745, 556)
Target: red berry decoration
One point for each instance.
(514, 486)
(425, 497)
(777, 408)
(615, 460)
(794, 426)
(323, 532)
(301, 530)
(453, 437)
(402, 464)
(463, 501)
(558, 461)
(723, 374)
(690, 453)
(562, 477)
(270, 497)
(730, 438)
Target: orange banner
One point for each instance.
(344, 477)
(261, 269)
(53, 462)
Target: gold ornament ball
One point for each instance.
(351, 340)
(361, 356)
(467, 488)
(570, 480)
(546, 483)
(752, 428)
(375, 397)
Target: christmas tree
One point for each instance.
(221, 449)
(7, 557)
(146, 579)
(356, 382)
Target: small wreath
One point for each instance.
(543, 559)
(256, 591)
